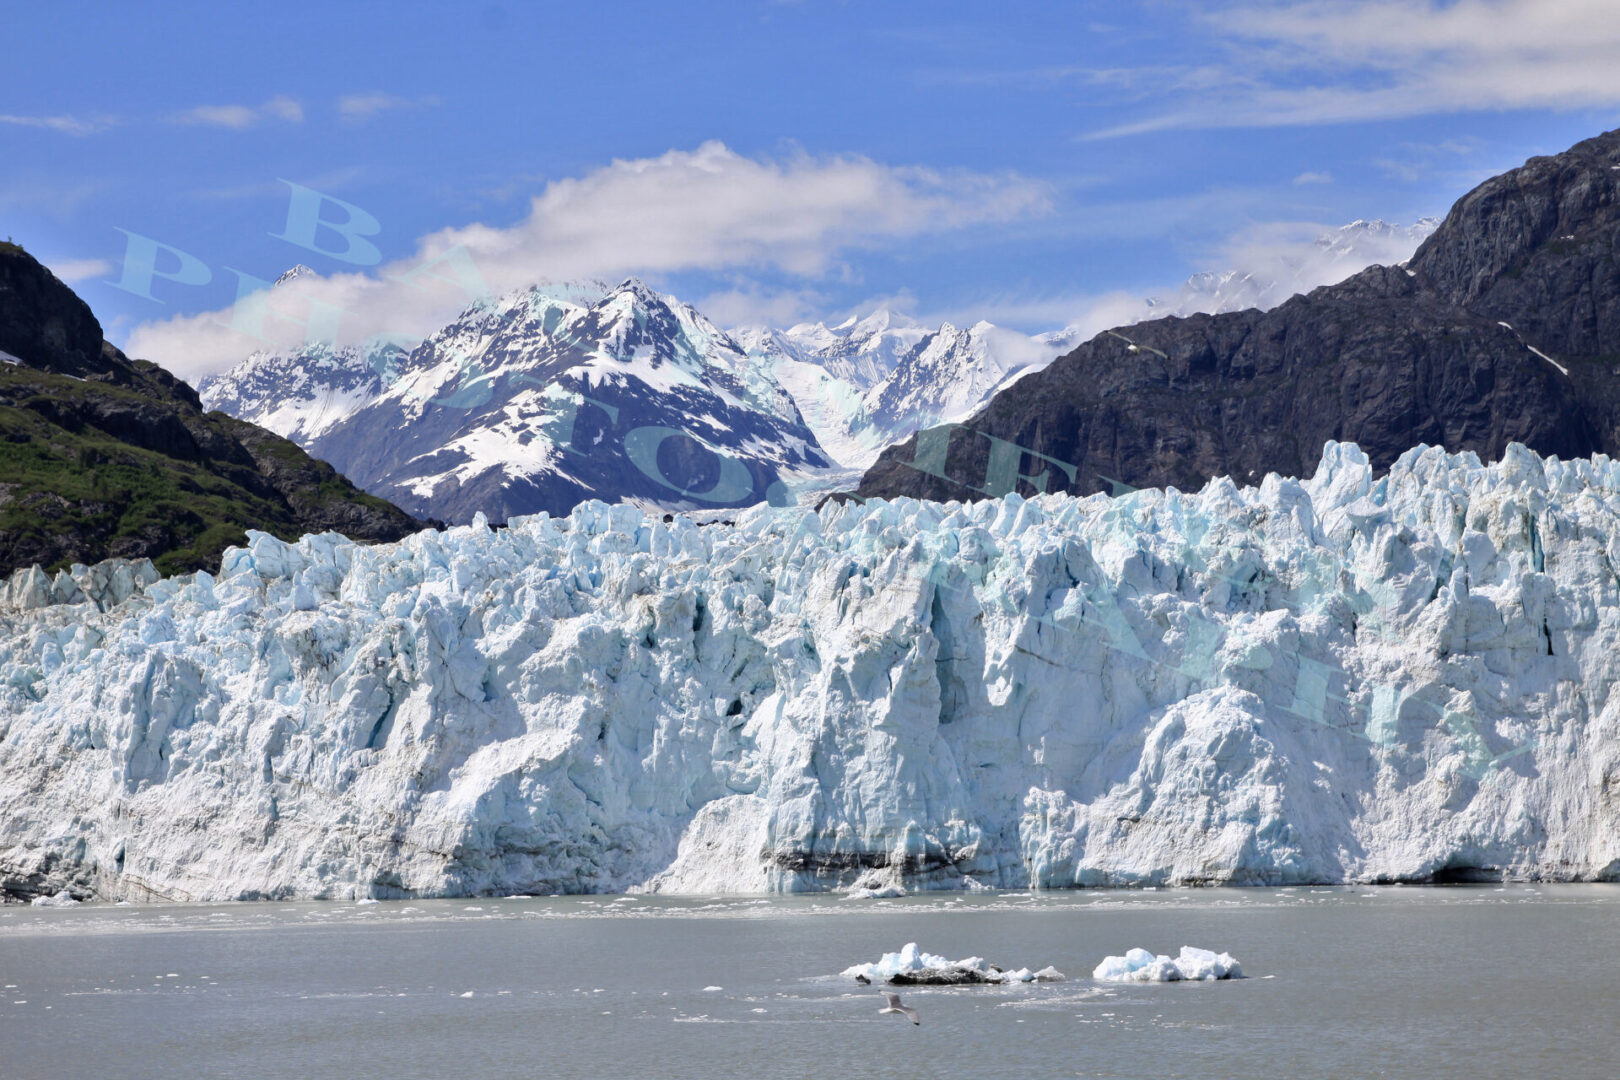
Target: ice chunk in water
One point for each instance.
(1139, 965)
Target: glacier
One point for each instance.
(1351, 678)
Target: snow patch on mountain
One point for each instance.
(303, 395)
(868, 383)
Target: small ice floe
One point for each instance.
(365, 900)
(1139, 965)
(885, 892)
(713, 989)
(61, 899)
(913, 967)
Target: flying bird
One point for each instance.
(1133, 347)
(894, 1006)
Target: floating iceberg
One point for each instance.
(1139, 965)
(1357, 677)
(879, 892)
(61, 899)
(912, 967)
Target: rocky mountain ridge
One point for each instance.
(1503, 327)
(102, 456)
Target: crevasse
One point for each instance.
(1350, 678)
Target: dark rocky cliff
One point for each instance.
(1504, 327)
(102, 456)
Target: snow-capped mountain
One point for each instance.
(545, 398)
(863, 351)
(302, 395)
(471, 419)
(870, 382)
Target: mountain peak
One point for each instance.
(289, 276)
(634, 286)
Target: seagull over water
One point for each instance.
(894, 1006)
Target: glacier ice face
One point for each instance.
(1350, 678)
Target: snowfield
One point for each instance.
(1343, 679)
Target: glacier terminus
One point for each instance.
(1352, 678)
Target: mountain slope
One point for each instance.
(480, 438)
(1503, 327)
(102, 456)
(302, 395)
(546, 398)
(867, 383)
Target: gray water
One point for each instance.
(1455, 982)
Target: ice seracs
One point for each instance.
(1140, 965)
(1351, 678)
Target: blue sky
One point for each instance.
(769, 161)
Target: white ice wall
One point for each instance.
(1342, 679)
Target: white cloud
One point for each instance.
(1313, 178)
(75, 270)
(67, 125)
(705, 209)
(241, 117)
(1260, 265)
(749, 305)
(363, 106)
(1299, 256)
(1340, 61)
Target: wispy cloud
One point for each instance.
(708, 209)
(1413, 161)
(332, 182)
(76, 270)
(1335, 61)
(241, 117)
(51, 195)
(1313, 178)
(750, 304)
(356, 107)
(67, 125)
(1261, 264)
